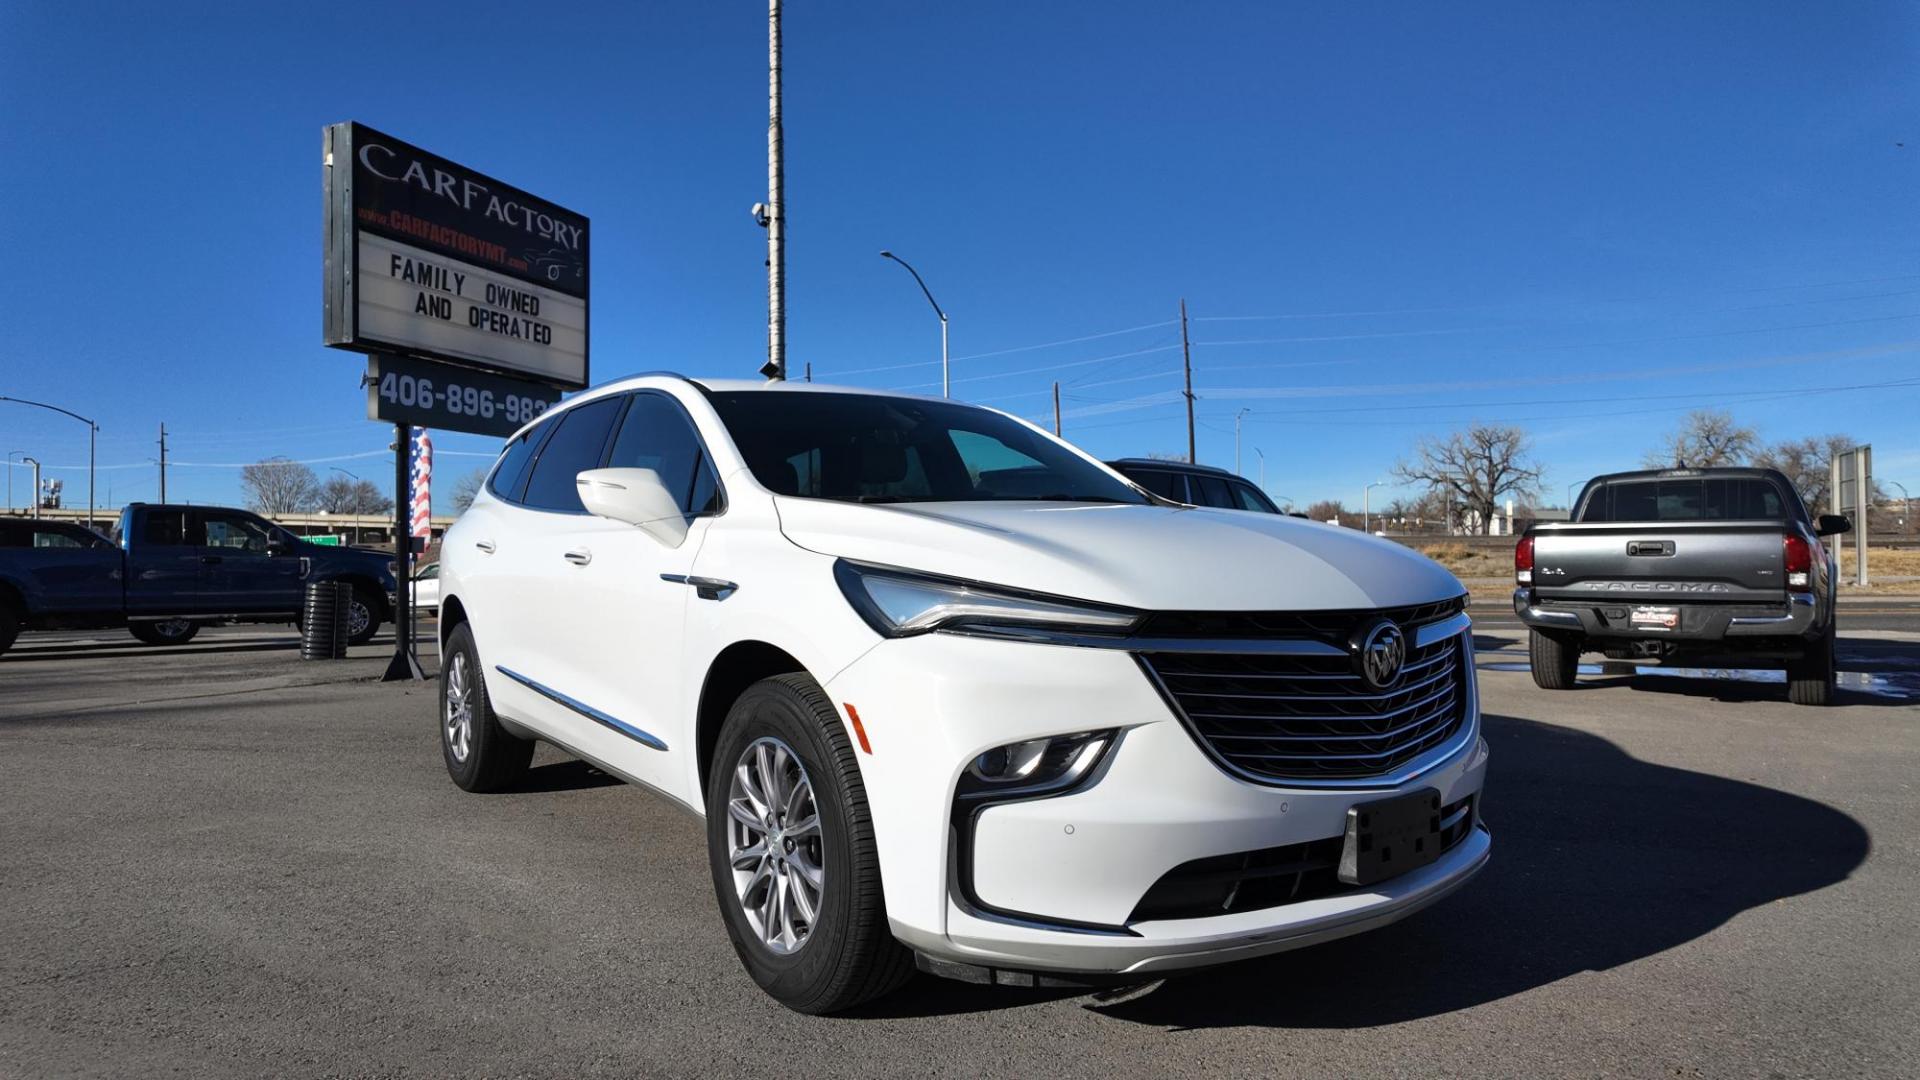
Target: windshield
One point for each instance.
(874, 449)
(1692, 498)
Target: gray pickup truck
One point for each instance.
(1709, 567)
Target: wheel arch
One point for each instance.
(737, 667)
(453, 614)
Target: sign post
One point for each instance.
(1851, 482)
(468, 296)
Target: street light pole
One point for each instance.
(1366, 505)
(93, 430)
(775, 217)
(1263, 468)
(945, 383)
(1907, 500)
(1236, 441)
(35, 462)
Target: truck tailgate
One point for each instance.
(1716, 561)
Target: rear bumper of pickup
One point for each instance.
(1798, 616)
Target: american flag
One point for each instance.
(422, 485)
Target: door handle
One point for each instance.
(579, 556)
(209, 560)
(486, 546)
(707, 588)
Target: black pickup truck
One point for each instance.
(1710, 567)
(168, 570)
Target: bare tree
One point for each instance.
(1328, 510)
(279, 486)
(1808, 463)
(347, 495)
(1476, 468)
(1706, 439)
(466, 488)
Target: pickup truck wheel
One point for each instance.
(790, 840)
(1810, 679)
(165, 632)
(363, 616)
(1554, 658)
(481, 755)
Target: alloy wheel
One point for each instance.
(173, 627)
(774, 845)
(459, 708)
(357, 617)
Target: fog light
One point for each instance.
(1034, 765)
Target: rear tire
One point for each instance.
(363, 610)
(1810, 680)
(847, 954)
(169, 632)
(1555, 659)
(9, 626)
(481, 755)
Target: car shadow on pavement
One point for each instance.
(573, 775)
(1599, 860)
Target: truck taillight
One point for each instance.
(1523, 561)
(1798, 556)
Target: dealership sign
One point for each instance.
(429, 259)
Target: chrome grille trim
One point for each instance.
(1302, 718)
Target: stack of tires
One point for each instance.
(323, 626)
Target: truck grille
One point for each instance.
(1277, 718)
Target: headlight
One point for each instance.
(898, 603)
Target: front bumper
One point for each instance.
(1051, 884)
(1609, 617)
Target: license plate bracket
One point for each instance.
(1389, 837)
(1648, 617)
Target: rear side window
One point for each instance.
(164, 528)
(1689, 498)
(576, 446)
(1212, 491)
(656, 434)
(512, 468)
(1167, 485)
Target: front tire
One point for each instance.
(10, 621)
(165, 632)
(1555, 659)
(790, 842)
(1810, 680)
(481, 755)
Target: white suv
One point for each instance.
(949, 691)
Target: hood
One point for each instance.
(1155, 558)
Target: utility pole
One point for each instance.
(163, 461)
(809, 371)
(776, 211)
(1186, 362)
(1236, 441)
(1056, 406)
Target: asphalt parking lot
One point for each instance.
(221, 860)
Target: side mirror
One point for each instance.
(277, 547)
(637, 497)
(1832, 525)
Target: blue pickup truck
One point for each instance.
(168, 570)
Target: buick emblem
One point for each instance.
(1378, 654)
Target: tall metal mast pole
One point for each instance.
(776, 369)
(1186, 362)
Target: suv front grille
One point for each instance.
(1276, 718)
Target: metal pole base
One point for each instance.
(404, 667)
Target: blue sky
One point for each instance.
(1386, 219)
